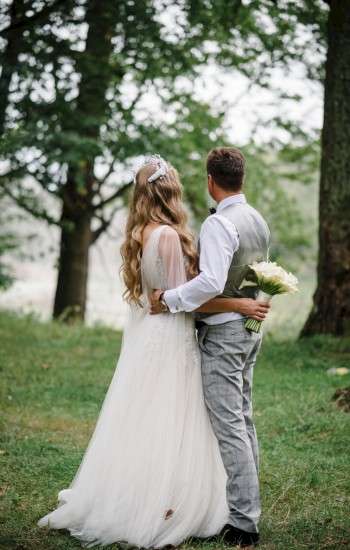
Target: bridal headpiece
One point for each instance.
(160, 165)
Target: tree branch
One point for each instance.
(114, 196)
(101, 181)
(23, 203)
(24, 20)
(138, 96)
(104, 225)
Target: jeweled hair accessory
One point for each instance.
(161, 166)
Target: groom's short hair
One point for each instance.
(226, 166)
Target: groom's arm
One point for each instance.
(218, 242)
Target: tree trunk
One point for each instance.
(79, 191)
(70, 299)
(331, 309)
(9, 60)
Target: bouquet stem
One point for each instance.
(253, 324)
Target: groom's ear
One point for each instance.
(211, 184)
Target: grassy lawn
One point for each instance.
(54, 381)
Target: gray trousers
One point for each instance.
(228, 353)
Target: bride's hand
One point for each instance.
(154, 301)
(253, 308)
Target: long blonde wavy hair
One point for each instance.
(156, 202)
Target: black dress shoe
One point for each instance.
(233, 535)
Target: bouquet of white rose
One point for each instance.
(270, 279)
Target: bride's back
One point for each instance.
(163, 263)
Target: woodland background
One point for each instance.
(87, 90)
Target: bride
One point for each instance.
(152, 474)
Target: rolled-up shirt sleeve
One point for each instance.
(218, 242)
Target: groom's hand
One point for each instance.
(154, 301)
(253, 308)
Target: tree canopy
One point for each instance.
(87, 87)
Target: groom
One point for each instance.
(235, 236)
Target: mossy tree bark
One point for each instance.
(331, 308)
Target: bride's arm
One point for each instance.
(246, 306)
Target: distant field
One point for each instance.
(55, 378)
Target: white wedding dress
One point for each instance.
(152, 474)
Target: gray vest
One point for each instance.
(254, 240)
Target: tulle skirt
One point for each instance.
(152, 474)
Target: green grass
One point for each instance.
(54, 381)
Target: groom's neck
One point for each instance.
(221, 194)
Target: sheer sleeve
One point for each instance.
(173, 265)
(163, 264)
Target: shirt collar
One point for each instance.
(230, 200)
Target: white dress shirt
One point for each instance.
(219, 241)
